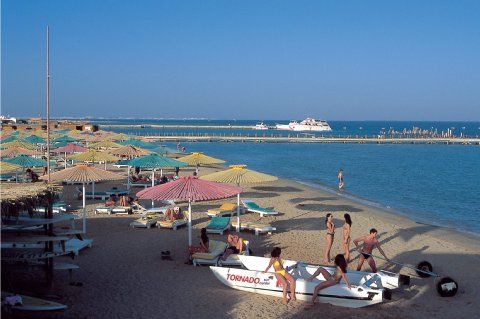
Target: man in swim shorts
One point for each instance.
(369, 243)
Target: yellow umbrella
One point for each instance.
(239, 175)
(130, 151)
(197, 159)
(8, 167)
(19, 144)
(83, 173)
(17, 150)
(104, 144)
(94, 157)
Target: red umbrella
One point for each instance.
(189, 189)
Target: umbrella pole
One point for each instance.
(65, 159)
(128, 177)
(153, 182)
(238, 212)
(105, 165)
(93, 190)
(189, 223)
(84, 211)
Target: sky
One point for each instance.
(335, 60)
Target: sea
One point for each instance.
(436, 184)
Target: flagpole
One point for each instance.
(48, 107)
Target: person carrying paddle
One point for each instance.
(369, 243)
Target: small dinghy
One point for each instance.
(388, 279)
(27, 303)
(368, 291)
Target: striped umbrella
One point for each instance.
(9, 139)
(104, 144)
(239, 175)
(6, 167)
(34, 139)
(129, 151)
(64, 139)
(70, 148)
(16, 150)
(137, 143)
(85, 174)
(191, 189)
(196, 159)
(18, 144)
(94, 157)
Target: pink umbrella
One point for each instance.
(189, 188)
(70, 149)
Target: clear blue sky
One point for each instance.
(350, 60)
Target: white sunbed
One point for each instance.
(147, 221)
(217, 248)
(137, 208)
(256, 227)
(175, 224)
(253, 207)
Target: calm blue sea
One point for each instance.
(435, 184)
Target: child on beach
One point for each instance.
(330, 280)
(369, 243)
(330, 236)
(346, 236)
(286, 280)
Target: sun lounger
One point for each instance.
(90, 195)
(218, 225)
(119, 210)
(256, 227)
(227, 209)
(233, 259)
(253, 207)
(103, 210)
(146, 221)
(175, 224)
(140, 184)
(137, 208)
(57, 207)
(216, 249)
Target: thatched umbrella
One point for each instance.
(94, 157)
(69, 149)
(6, 167)
(16, 150)
(18, 144)
(85, 174)
(239, 175)
(196, 159)
(106, 144)
(27, 161)
(189, 189)
(34, 139)
(129, 151)
(137, 143)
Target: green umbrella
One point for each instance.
(164, 150)
(136, 143)
(64, 139)
(26, 161)
(34, 139)
(9, 139)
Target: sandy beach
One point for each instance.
(123, 275)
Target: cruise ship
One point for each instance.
(307, 124)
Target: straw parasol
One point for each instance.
(137, 143)
(34, 139)
(94, 157)
(16, 150)
(196, 159)
(18, 144)
(83, 173)
(64, 139)
(6, 167)
(9, 139)
(129, 151)
(239, 175)
(189, 188)
(104, 144)
(69, 149)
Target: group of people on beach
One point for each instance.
(364, 246)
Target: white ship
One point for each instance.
(307, 124)
(6, 120)
(260, 126)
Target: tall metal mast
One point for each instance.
(48, 107)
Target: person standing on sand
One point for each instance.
(287, 281)
(330, 236)
(346, 236)
(369, 243)
(340, 179)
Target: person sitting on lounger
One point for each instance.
(110, 201)
(330, 280)
(235, 245)
(202, 248)
(173, 214)
(283, 277)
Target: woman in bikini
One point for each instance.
(330, 236)
(330, 280)
(202, 248)
(346, 236)
(286, 280)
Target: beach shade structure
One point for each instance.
(70, 148)
(94, 157)
(119, 137)
(153, 162)
(83, 173)
(9, 139)
(196, 159)
(6, 167)
(34, 139)
(165, 150)
(16, 150)
(18, 143)
(129, 151)
(64, 139)
(105, 144)
(137, 143)
(27, 161)
(189, 189)
(240, 176)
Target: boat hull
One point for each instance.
(388, 279)
(267, 284)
